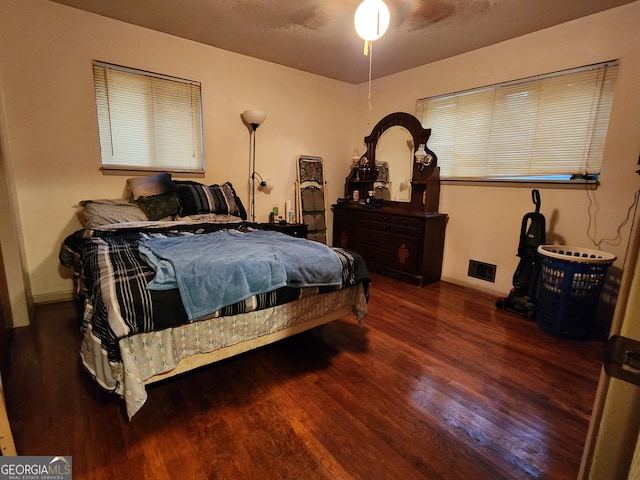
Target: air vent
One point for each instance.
(481, 270)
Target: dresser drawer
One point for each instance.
(408, 222)
(372, 216)
(344, 216)
(404, 254)
(292, 229)
(406, 231)
(367, 223)
(374, 238)
(344, 235)
(407, 226)
(373, 256)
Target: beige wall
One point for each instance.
(53, 152)
(52, 141)
(485, 222)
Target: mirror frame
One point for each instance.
(427, 178)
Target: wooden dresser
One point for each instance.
(396, 242)
(404, 237)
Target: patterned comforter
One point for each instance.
(111, 280)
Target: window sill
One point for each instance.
(562, 184)
(150, 171)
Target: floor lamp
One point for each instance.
(254, 118)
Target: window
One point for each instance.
(546, 128)
(147, 121)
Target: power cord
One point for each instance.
(615, 241)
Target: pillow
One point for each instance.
(150, 186)
(196, 198)
(160, 206)
(103, 212)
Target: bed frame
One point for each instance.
(199, 360)
(143, 363)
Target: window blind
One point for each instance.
(544, 128)
(147, 121)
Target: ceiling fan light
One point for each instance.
(371, 19)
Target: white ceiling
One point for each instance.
(317, 36)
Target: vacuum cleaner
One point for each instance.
(522, 297)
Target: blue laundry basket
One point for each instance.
(569, 287)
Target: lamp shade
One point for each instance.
(421, 153)
(254, 117)
(372, 19)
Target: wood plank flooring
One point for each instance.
(438, 384)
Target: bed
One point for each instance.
(164, 294)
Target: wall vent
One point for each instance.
(481, 270)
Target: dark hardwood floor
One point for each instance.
(438, 384)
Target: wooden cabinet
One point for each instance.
(402, 244)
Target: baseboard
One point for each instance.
(474, 285)
(53, 297)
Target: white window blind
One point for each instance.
(148, 121)
(548, 127)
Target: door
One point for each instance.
(7, 447)
(615, 422)
(5, 314)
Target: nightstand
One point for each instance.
(298, 230)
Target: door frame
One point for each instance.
(614, 428)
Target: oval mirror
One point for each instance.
(395, 149)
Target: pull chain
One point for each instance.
(369, 46)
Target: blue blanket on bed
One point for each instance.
(217, 269)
